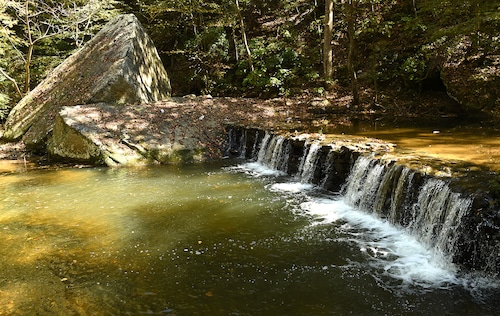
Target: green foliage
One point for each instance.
(414, 68)
(276, 68)
(413, 25)
(36, 35)
(201, 41)
(4, 106)
(405, 40)
(208, 53)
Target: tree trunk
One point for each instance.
(27, 66)
(27, 62)
(244, 36)
(351, 28)
(233, 44)
(327, 42)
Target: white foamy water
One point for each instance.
(291, 187)
(390, 250)
(257, 169)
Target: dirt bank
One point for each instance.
(303, 113)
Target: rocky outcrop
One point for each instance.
(453, 211)
(174, 131)
(120, 65)
(186, 129)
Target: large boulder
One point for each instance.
(120, 65)
(174, 131)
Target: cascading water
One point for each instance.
(309, 163)
(243, 140)
(363, 184)
(372, 190)
(273, 152)
(264, 149)
(438, 214)
(434, 215)
(423, 206)
(254, 144)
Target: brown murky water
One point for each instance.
(203, 240)
(444, 139)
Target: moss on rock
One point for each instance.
(120, 65)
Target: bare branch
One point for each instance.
(13, 81)
(41, 19)
(14, 45)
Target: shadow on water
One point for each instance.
(187, 240)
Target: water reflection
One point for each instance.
(446, 139)
(186, 240)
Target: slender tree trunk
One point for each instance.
(27, 66)
(351, 19)
(233, 44)
(327, 42)
(27, 62)
(244, 35)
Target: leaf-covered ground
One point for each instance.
(202, 116)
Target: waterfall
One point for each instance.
(426, 206)
(438, 214)
(264, 144)
(308, 163)
(363, 183)
(237, 143)
(243, 141)
(273, 152)
(402, 196)
(255, 143)
(434, 215)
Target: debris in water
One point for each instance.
(167, 310)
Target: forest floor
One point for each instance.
(304, 113)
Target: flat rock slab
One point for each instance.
(119, 65)
(173, 131)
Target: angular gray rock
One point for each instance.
(120, 65)
(170, 131)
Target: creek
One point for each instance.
(252, 235)
(227, 238)
(447, 139)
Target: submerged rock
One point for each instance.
(120, 65)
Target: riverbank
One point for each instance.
(332, 113)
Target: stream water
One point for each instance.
(447, 139)
(227, 238)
